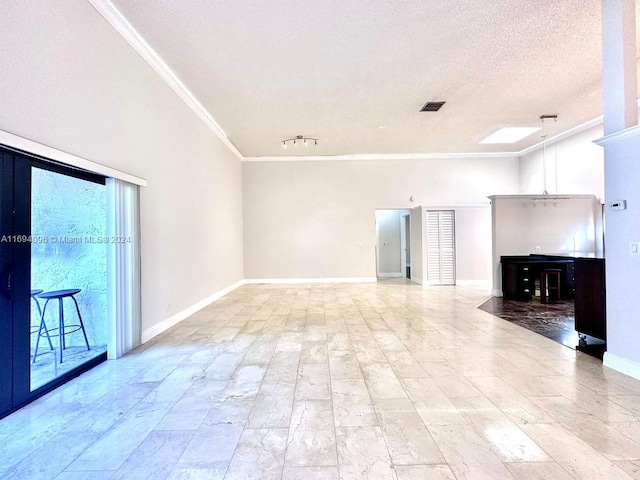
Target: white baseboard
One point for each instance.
(622, 365)
(390, 275)
(157, 329)
(416, 280)
(251, 281)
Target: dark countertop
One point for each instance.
(546, 257)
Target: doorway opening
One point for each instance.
(405, 242)
(393, 239)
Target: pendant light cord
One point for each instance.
(544, 165)
(544, 155)
(555, 162)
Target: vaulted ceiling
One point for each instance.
(355, 74)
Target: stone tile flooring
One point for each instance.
(48, 366)
(336, 381)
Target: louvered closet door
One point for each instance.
(441, 255)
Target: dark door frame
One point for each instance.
(15, 279)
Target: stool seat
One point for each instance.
(35, 292)
(59, 293)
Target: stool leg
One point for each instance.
(42, 325)
(37, 305)
(61, 327)
(46, 330)
(81, 323)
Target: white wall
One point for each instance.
(69, 81)
(304, 217)
(622, 179)
(417, 244)
(623, 268)
(579, 170)
(389, 247)
(473, 245)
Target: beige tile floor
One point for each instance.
(48, 366)
(344, 381)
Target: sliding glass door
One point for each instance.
(7, 276)
(53, 276)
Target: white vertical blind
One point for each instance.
(441, 256)
(123, 267)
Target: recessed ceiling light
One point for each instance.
(381, 127)
(510, 134)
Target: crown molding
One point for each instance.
(428, 156)
(561, 136)
(381, 156)
(619, 136)
(115, 18)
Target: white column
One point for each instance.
(123, 267)
(622, 174)
(619, 65)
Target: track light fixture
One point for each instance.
(299, 140)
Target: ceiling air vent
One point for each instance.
(432, 106)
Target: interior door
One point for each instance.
(39, 197)
(441, 257)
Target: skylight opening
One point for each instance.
(510, 135)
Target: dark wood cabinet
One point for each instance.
(520, 273)
(591, 312)
(570, 277)
(517, 280)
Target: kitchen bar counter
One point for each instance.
(521, 272)
(581, 278)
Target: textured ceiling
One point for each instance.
(340, 70)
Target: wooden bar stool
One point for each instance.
(548, 287)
